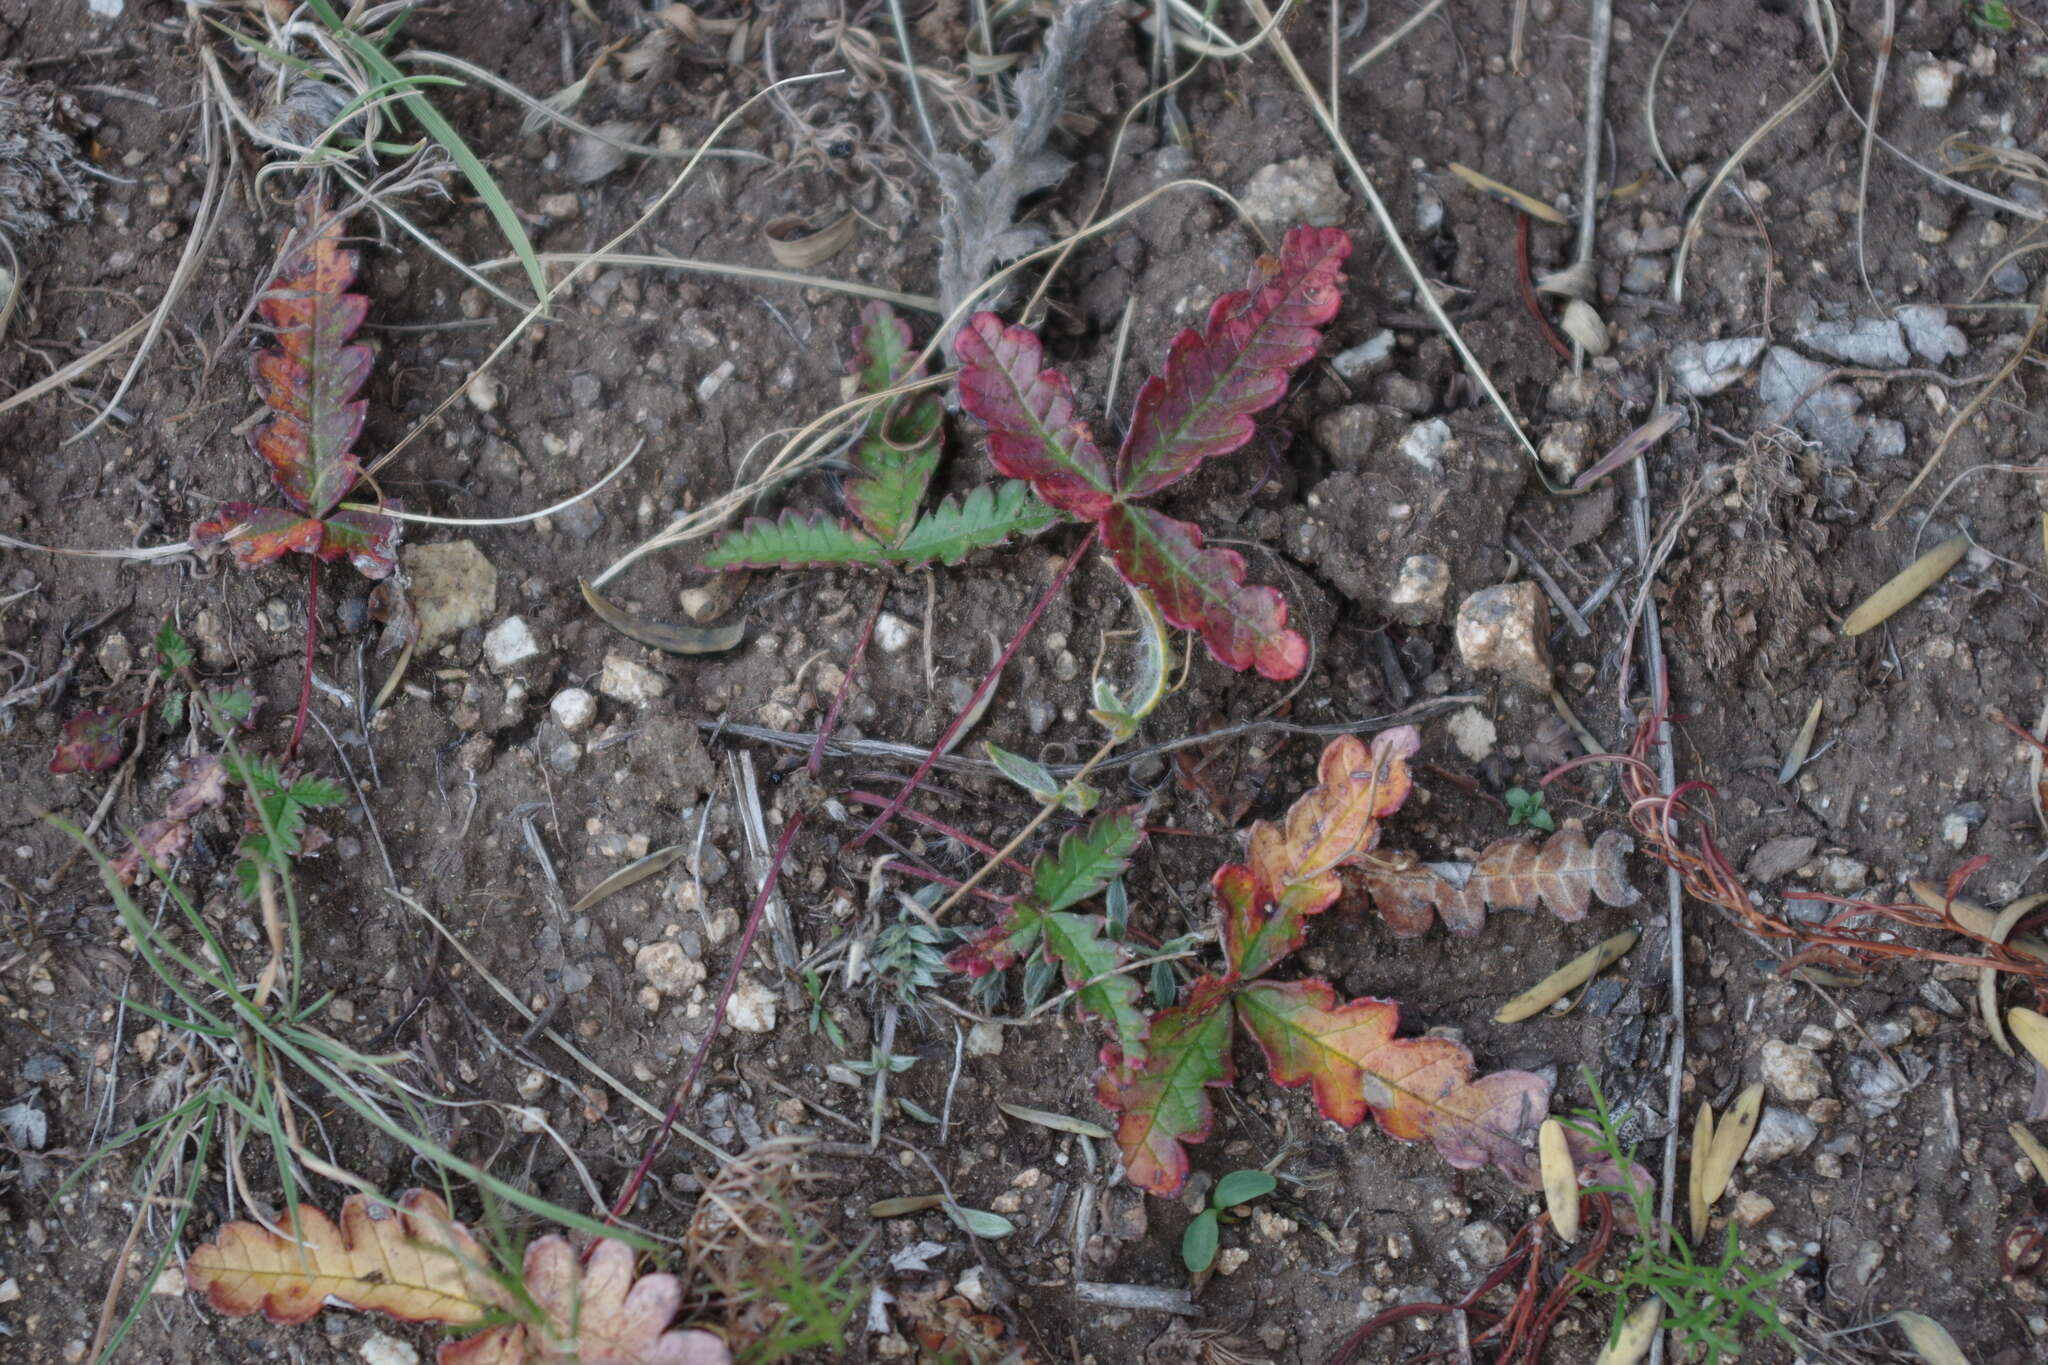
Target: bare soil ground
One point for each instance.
(1902, 1196)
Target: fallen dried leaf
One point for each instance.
(1730, 1139)
(1930, 1340)
(1563, 873)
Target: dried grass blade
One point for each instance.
(637, 871)
(668, 637)
(1566, 979)
(1795, 757)
(1730, 1140)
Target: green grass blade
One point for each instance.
(443, 132)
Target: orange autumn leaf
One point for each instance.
(416, 1263)
(1563, 873)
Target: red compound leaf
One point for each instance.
(1293, 869)
(313, 376)
(1165, 1104)
(1201, 406)
(1417, 1088)
(1204, 590)
(1033, 433)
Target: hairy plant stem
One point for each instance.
(974, 703)
(860, 652)
(725, 990)
(291, 750)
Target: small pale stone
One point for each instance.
(1420, 590)
(1564, 449)
(1304, 190)
(1360, 361)
(668, 968)
(633, 683)
(1931, 334)
(1955, 830)
(1484, 1243)
(975, 1288)
(485, 393)
(1505, 629)
(573, 709)
(1843, 874)
(893, 634)
(1231, 1260)
(1793, 1072)
(753, 1007)
(985, 1040)
(382, 1349)
(510, 643)
(1780, 1133)
(1752, 1208)
(1473, 732)
(170, 1284)
(1934, 83)
(1426, 442)
(453, 587)
(1703, 368)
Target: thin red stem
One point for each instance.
(860, 651)
(312, 638)
(732, 977)
(974, 702)
(1529, 299)
(932, 822)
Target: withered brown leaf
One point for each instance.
(1562, 872)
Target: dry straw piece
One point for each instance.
(1566, 979)
(1560, 1180)
(1916, 578)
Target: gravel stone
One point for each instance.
(1288, 193)
(1793, 1072)
(1505, 629)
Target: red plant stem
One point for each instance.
(312, 638)
(981, 846)
(860, 650)
(1529, 299)
(974, 702)
(732, 977)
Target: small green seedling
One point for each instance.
(1525, 807)
(1233, 1191)
(1995, 15)
(821, 1018)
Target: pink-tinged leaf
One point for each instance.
(312, 377)
(367, 540)
(202, 785)
(1029, 411)
(1089, 960)
(1166, 1105)
(1204, 590)
(91, 742)
(1562, 872)
(1417, 1088)
(259, 535)
(1201, 406)
(1008, 943)
(1292, 872)
(159, 843)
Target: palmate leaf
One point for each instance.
(1165, 1105)
(1292, 872)
(1033, 433)
(1417, 1088)
(898, 453)
(1204, 590)
(1011, 941)
(985, 518)
(1201, 406)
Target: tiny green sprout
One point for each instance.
(1995, 15)
(1198, 1243)
(1525, 807)
(821, 1018)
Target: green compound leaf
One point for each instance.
(1086, 862)
(946, 535)
(897, 455)
(1084, 955)
(983, 519)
